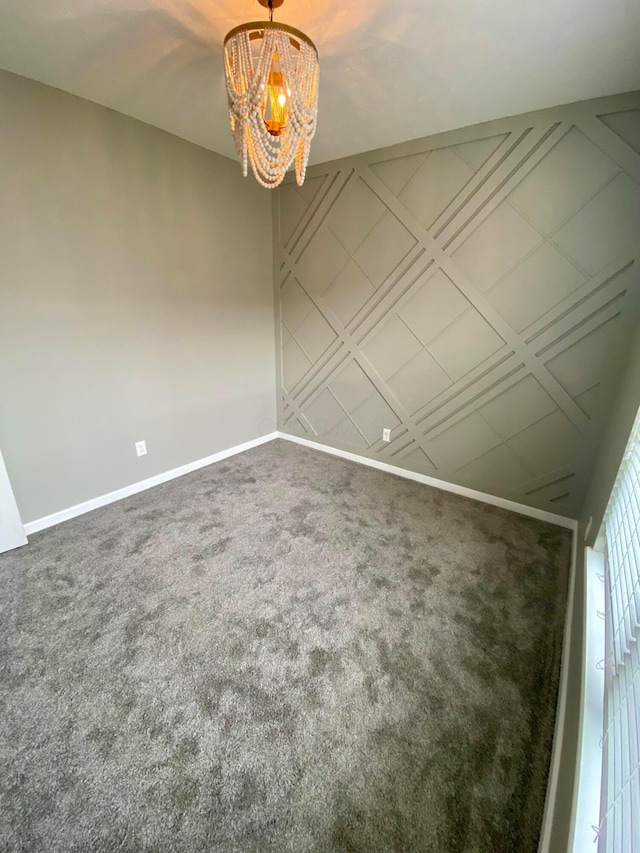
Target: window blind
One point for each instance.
(619, 829)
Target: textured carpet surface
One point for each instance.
(281, 652)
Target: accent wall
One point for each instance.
(474, 292)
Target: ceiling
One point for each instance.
(390, 71)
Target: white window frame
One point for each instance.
(588, 800)
(586, 814)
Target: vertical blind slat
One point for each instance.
(620, 802)
(614, 580)
(632, 577)
(626, 565)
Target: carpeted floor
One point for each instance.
(281, 652)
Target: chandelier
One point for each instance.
(271, 73)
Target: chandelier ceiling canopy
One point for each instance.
(271, 73)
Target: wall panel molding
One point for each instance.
(474, 292)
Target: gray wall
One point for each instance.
(475, 292)
(614, 442)
(135, 300)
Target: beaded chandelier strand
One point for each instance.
(271, 73)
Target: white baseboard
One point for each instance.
(503, 503)
(134, 488)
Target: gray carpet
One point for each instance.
(281, 652)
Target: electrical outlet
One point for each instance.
(141, 448)
(386, 435)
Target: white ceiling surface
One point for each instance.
(391, 70)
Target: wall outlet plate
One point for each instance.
(141, 448)
(386, 435)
